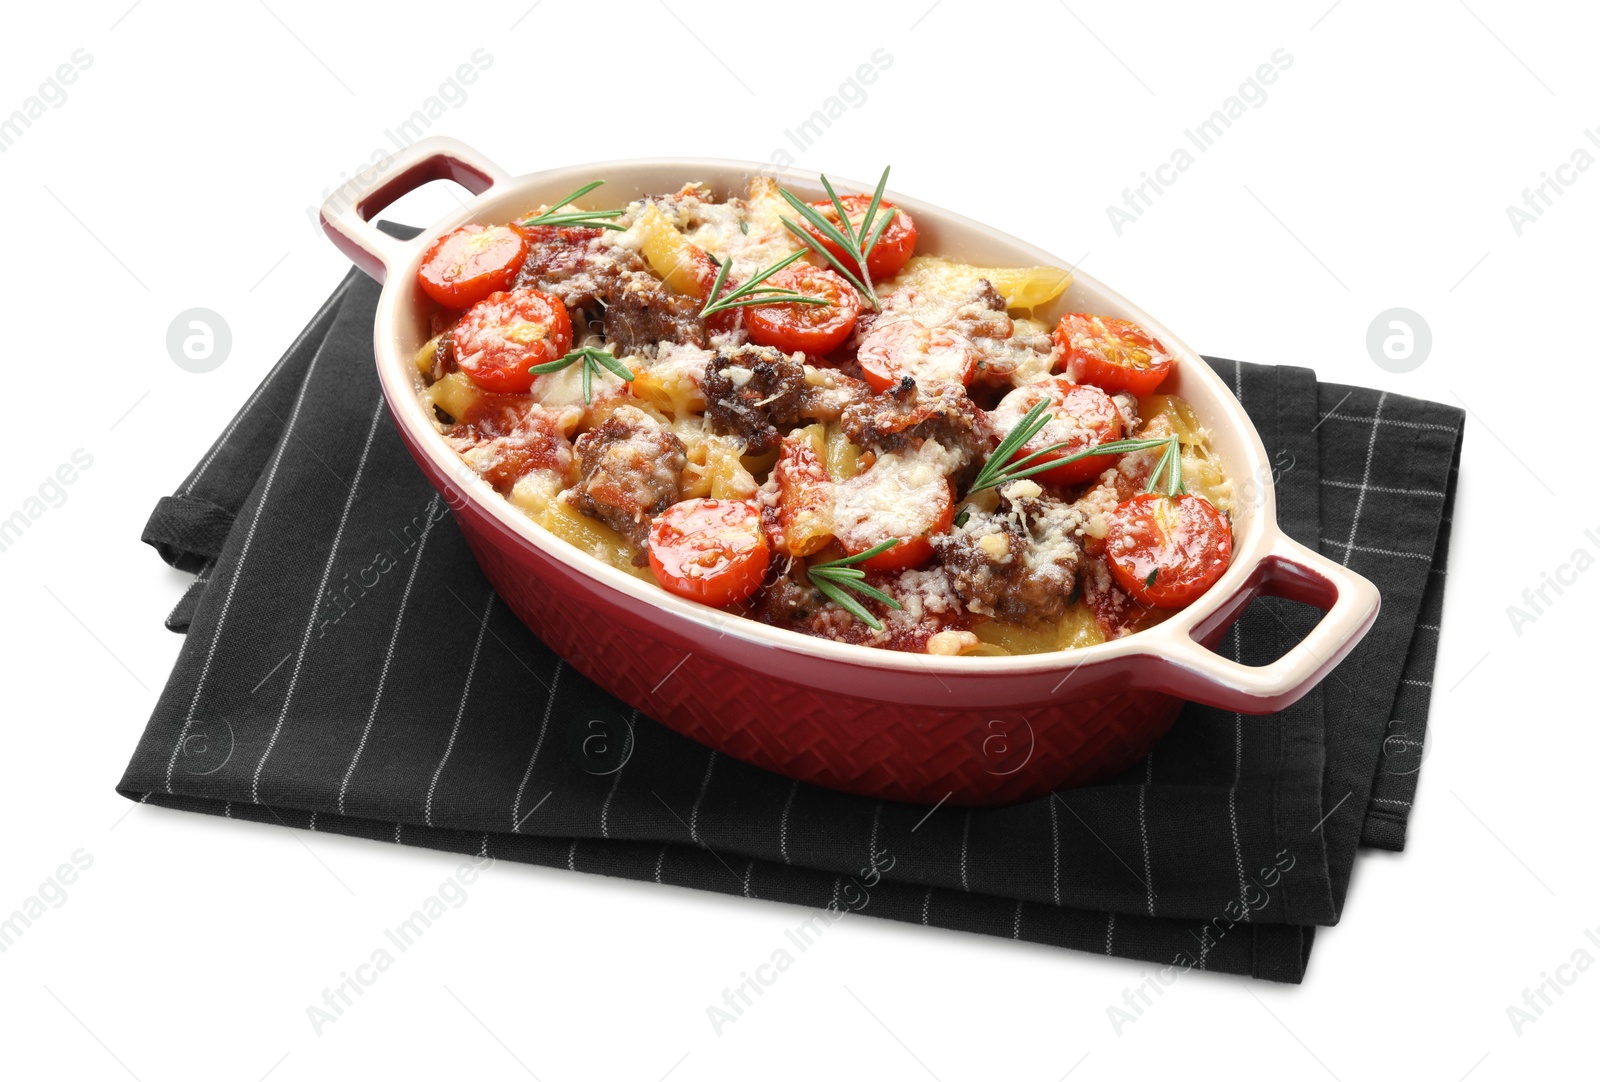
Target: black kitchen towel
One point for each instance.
(348, 669)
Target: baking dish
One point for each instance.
(900, 726)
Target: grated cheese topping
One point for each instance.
(903, 494)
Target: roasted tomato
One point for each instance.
(1081, 416)
(895, 244)
(930, 356)
(911, 551)
(1112, 354)
(1167, 550)
(809, 328)
(905, 496)
(465, 265)
(505, 334)
(711, 551)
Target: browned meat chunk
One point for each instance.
(641, 311)
(999, 360)
(788, 599)
(828, 392)
(983, 314)
(751, 391)
(632, 470)
(907, 414)
(1018, 562)
(596, 280)
(505, 437)
(570, 265)
(930, 608)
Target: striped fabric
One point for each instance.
(348, 669)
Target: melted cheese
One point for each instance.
(564, 389)
(902, 495)
(1022, 287)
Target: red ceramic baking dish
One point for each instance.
(900, 726)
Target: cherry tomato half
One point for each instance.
(1167, 551)
(465, 265)
(810, 328)
(895, 244)
(911, 551)
(1112, 354)
(893, 498)
(930, 356)
(711, 551)
(1081, 417)
(505, 334)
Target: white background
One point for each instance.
(179, 172)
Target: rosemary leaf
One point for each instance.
(1000, 469)
(844, 219)
(850, 561)
(877, 231)
(1169, 466)
(594, 218)
(848, 603)
(872, 209)
(844, 234)
(753, 292)
(815, 217)
(593, 359)
(816, 246)
(837, 578)
(620, 370)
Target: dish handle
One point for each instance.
(1191, 669)
(347, 213)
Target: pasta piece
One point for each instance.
(538, 495)
(765, 210)
(1202, 472)
(843, 458)
(728, 478)
(1028, 287)
(426, 354)
(696, 481)
(669, 254)
(454, 394)
(805, 498)
(817, 436)
(1022, 287)
(761, 465)
(1077, 627)
(670, 389)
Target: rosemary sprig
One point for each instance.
(836, 577)
(1171, 465)
(857, 244)
(999, 469)
(590, 218)
(593, 360)
(753, 292)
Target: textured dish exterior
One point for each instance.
(972, 731)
